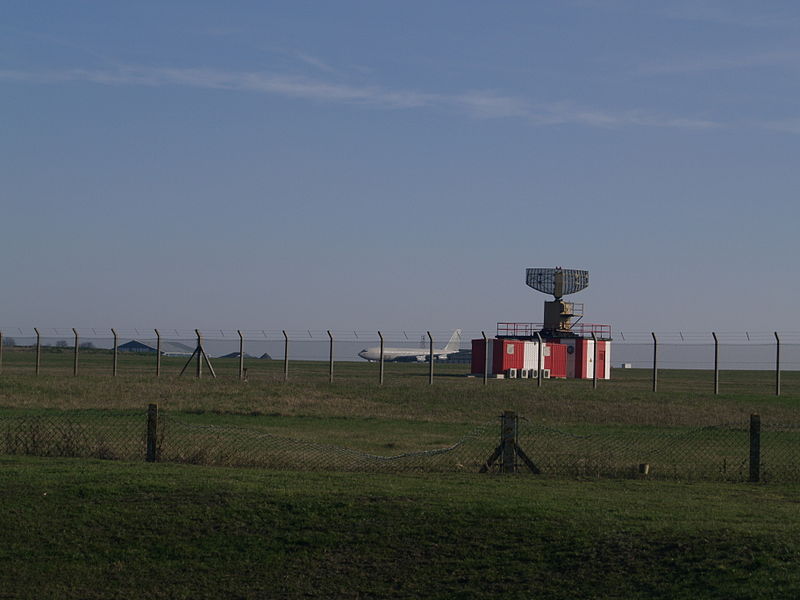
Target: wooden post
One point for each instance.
(485, 358)
(75, 361)
(38, 349)
(199, 367)
(777, 365)
(655, 361)
(594, 364)
(114, 367)
(152, 431)
(508, 442)
(755, 448)
(330, 358)
(241, 355)
(430, 355)
(285, 356)
(380, 374)
(540, 365)
(158, 353)
(716, 363)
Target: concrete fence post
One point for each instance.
(38, 349)
(755, 448)
(158, 353)
(241, 355)
(75, 359)
(508, 442)
(430, 356)
(114, 360)
(716, 363)
(655, 361)
(540, 366)
(380, 371)
(285, 356)
(594, 363)
(330, 357)
(152, 432)
(777, 365)
(485, 358)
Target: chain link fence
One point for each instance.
(716, 453)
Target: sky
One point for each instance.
(398, 165)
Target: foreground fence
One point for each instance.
(747, 451)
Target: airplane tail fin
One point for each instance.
(455, 342)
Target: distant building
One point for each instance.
(236, 355)
(265, 356)
(167, 348)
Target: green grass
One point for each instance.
(90, 529)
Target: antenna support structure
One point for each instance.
(558, 313)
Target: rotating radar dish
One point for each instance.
(557, 281)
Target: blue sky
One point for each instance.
(364, 165)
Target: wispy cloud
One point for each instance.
(718, 63)
(475, 104)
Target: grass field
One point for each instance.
(82, 528)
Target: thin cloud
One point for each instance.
(475, 104)
(719, 63)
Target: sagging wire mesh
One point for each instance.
(113, 436)
(715, 453)
(236, 446)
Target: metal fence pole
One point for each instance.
(777, 365)
(485, 358)
(655, 361)
(285, 356)
(540, 366)
(594, 364)
(430, 355)
(380, 373)
(241, 355)
(152, 432)
(158, 353)
(330, 357)
(755, 448)
(199, 367)
(1, 351)
(114, 366)
(716, 363)
(38, 349)
(75, 361)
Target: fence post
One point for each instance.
(158, 353)
(152, 431)
(199, 367)
(716, 363)
(485, 358)
(330, 357)
(655, 361)
(241, 355)
(38, 349)
(75, 361)
(285, 356)
(1, 351)
(594, 363)
(508, 442)
(380, 373)
(114, 367)
(777, 365)
(540, 365)
(755, 448)
(430, 355)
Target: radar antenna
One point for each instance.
(559, 282)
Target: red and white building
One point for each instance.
(514, 352)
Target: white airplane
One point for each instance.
(390, 354)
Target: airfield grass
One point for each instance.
(98, 529)
(77, 528)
